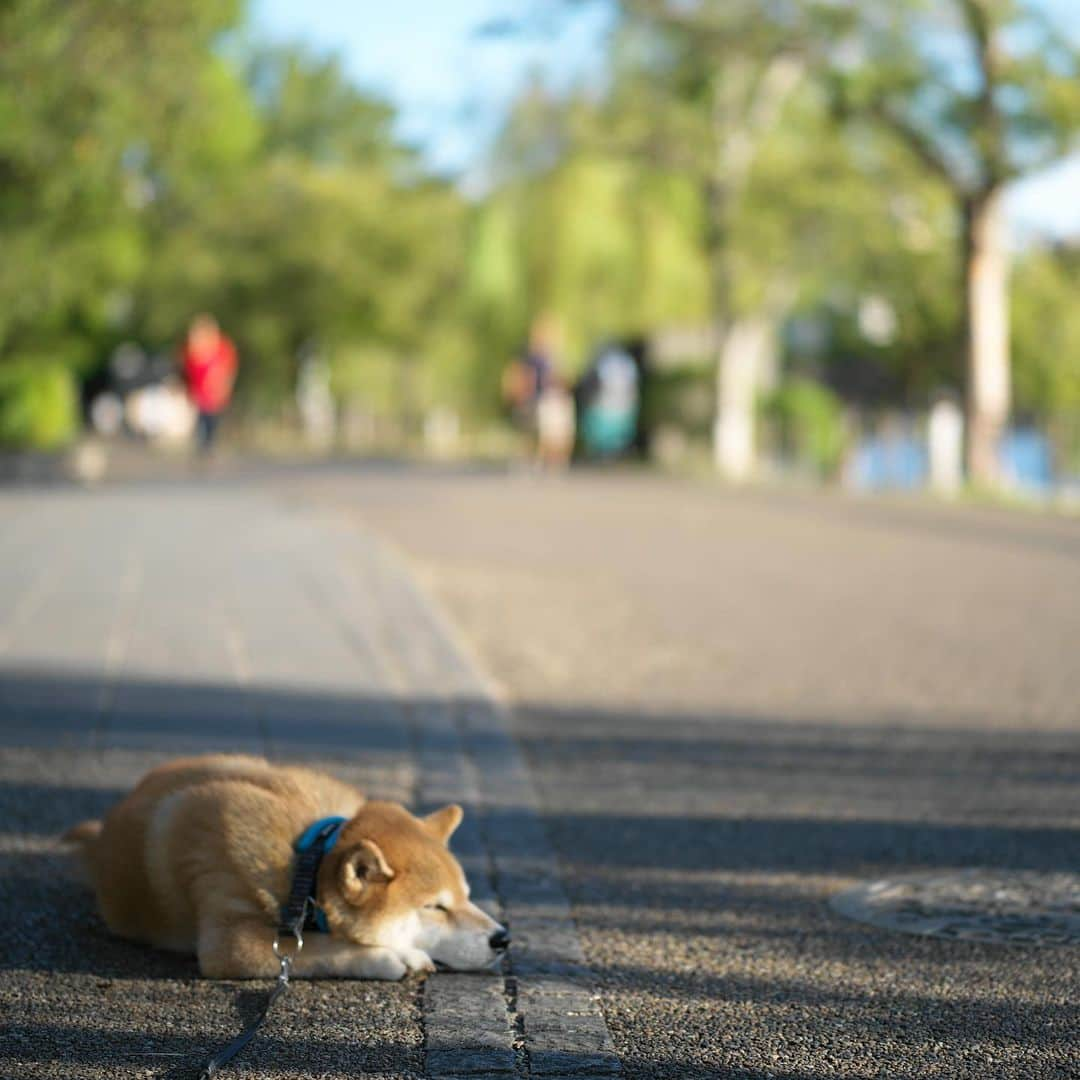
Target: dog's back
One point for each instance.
(174, 822)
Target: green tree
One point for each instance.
(698, 89)
(310, 110)
(1046, 344)
(151, 168)
(981, 92)
(323, 236)
(99, 102)
(609, 248)
(728, 98)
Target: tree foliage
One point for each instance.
(97, 102)
(980, 91)
(1046, 335)
(789, 161)
(151, 167)
(610, 248)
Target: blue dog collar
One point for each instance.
(317, 839)
(328, 828)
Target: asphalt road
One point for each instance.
(232, 612)
(737, 704)
(137, 624)
(732, 706)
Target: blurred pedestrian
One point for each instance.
(609, 401)
(538, 397)
(209, 371)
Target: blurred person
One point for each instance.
(210, 366)
(609, 401)
(556, 425)
(527, 376)
(537, 395)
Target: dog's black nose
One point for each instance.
(499, 939)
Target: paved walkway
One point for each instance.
(737, 704)
(142, 622)
(731, 705)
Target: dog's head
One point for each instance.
(391, 881)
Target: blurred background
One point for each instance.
(804, 238)
(324, 291)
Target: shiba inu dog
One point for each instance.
(199, 858)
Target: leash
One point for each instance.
(300, 912)
(227, 1053)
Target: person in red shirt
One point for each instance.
(209, 370)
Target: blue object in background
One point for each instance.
(899, 462)
(608, 432)
(1027, 459)
(891, 463)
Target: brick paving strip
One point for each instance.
(145, 624)
(541, 1017)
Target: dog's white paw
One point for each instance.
(417, 960)
(384, 964)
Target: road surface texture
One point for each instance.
(735, 706)
(144, 622)
(728, 707)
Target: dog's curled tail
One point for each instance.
(84, 837)
(84, 834)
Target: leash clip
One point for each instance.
(296, 929)
(294, 915)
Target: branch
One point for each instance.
(989, 136)
(686, 19)
(780, 77)
(918, 142)
(652, 148)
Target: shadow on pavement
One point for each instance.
(717, 832)
(174, 1056)
(794, 845)
(728, 792)
(665, 795)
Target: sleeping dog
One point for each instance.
(200, 856)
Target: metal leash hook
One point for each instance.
(285, 965)
(301, 902)
(284, 959)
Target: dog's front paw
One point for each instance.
(384, 964)
(417, 960)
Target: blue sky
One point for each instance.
(452, 86)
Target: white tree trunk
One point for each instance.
(945, 445)
(747, 100)
(746, 367)
(987, 295)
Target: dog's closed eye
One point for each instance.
(442, 908)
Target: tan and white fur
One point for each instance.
(198, 858)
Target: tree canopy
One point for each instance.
(813, 167)
(153, 166)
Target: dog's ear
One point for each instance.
(443, 822)
(362, 865)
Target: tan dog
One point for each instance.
(198, 858)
